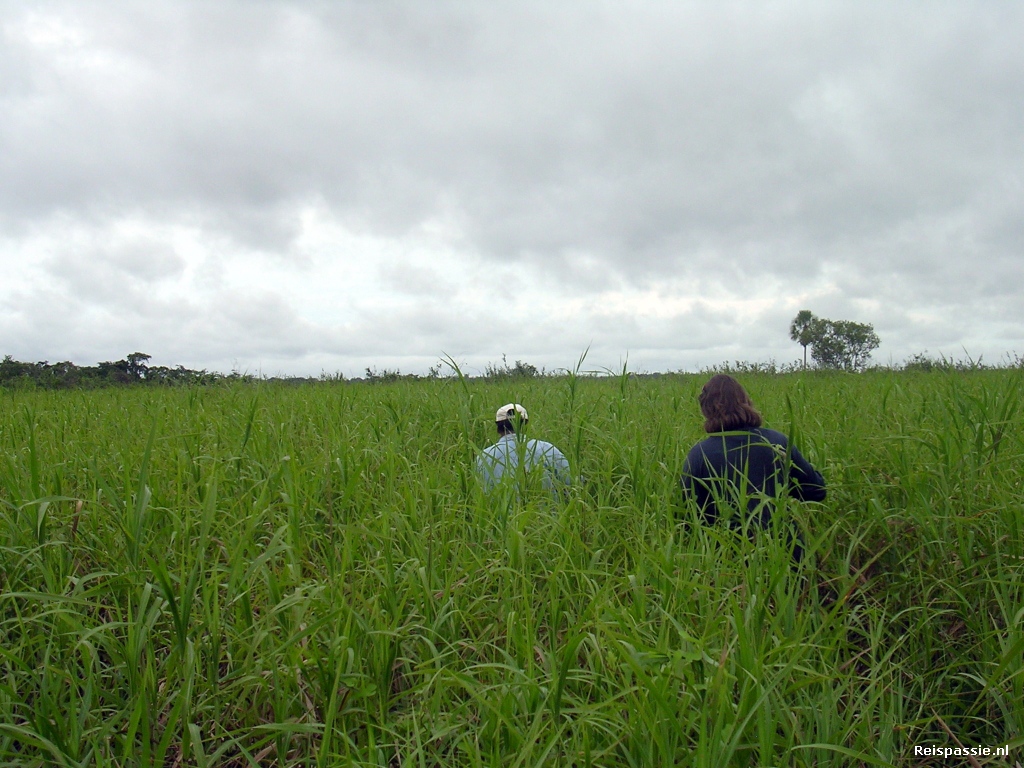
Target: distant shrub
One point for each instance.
(769, 367)
(520, 370)
(921, 361)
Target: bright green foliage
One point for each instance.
(248, 574)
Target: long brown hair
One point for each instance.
(726, 405)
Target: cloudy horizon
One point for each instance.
(289, 188)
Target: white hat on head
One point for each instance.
(508, 412)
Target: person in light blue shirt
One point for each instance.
(515, 456)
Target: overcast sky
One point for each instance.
(297, 187)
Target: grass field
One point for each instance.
(266, 575)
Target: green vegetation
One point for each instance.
(839, 345)
(133, 369)
(258, 574)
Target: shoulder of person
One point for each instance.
(697, 456)
(702, 445)
(773, 435)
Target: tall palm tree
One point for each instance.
(801, 330)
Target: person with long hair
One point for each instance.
(742, 467)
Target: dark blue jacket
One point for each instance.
(750, 464)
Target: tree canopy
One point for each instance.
(801, 330)
(843, 345)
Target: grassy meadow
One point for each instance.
(256, 574)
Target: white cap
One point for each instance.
(507, 412)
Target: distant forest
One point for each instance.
(134, 370)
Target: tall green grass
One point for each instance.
(269, 575)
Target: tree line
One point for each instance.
(833, 344)
(133, 369)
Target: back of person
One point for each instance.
(751, 468)
(515, 458)
(742, 466)
(535, 456)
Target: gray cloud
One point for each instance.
(862, 160)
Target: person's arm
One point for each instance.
(481, 468)
(687, 479)
(696, 483)
(805, 482)
(558, 465)
(486, 470)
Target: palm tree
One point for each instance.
(801, 330)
